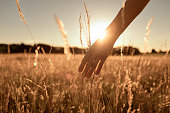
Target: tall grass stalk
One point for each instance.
(129, 90)
(24, 20)
(167, 51)
(88, 24)
(29, 51)
(81, 41)
(117, 91)
(148, 31)
(123, 24)
(85, 38)
(123, 13)
(49, 59)
(64, 35)
(42, 49)
(36, 56)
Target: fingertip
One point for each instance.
(99, 67)
(80, 69)
(92, 69)
(98, 72)
(83, 63)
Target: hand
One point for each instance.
(95, 57)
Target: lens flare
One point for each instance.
(98, 31)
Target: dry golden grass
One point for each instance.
(147, 34)
(49, 83)
(56, 86)
(24, 20)
(64, 35)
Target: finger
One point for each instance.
(91, 70)
(100, 66)
(84, 61)
(86, 69)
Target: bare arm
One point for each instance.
(100, 50)
(131, 10)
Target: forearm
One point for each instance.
(131, 10)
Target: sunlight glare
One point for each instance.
(97, 31)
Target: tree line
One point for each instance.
(25, 48)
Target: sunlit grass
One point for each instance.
(57, 86)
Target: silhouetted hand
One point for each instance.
(101, 49)
(95, 57)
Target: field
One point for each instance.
(53, 84)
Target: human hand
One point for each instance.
(95, 57)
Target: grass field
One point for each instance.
(139, 84)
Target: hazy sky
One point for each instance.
(39, 16)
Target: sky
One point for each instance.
(39, 15)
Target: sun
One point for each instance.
(97, 31)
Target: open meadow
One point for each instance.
(51, 83)
(41, 75)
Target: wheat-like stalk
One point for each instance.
(42, 49)
(147, 33)
(64, 35)
(49, 59)
(123, 14)
(36, 56)
(88, 24)
(80, 30)
(33, 83)
(129, 89)
(117, 91)
(24, 20)
(85, 38)
(167, 51)
(123, 24)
